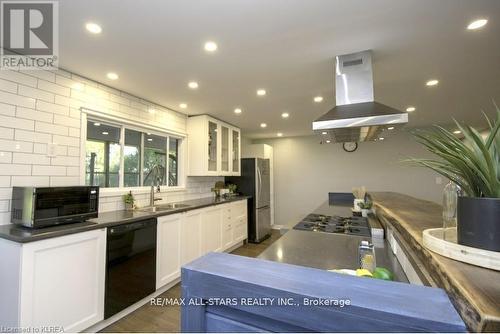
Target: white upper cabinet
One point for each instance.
(214, 147)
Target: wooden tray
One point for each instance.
(433, 240)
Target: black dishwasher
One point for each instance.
(130, 264)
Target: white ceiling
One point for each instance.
(287, 47)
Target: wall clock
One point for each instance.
(350, 146)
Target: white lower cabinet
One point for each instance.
(211, 230)
(168, 249)
(58, 282)
(190, 236)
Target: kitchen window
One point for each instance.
(147, 158)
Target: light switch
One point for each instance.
(52, 150)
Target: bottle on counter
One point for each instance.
(450, 198)
(366, 256)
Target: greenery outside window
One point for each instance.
(147, 158)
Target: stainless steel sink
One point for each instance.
(164, 207)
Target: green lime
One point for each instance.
(383, 273)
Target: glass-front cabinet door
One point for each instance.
(224, 148)
(236, 151)
(212, 146)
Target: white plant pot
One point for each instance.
(356, 204)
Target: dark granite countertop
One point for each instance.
(474, 291)
(330, 250)
(22, 234)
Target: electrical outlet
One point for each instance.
(52, 150)
(439, 180)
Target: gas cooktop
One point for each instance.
(335, 224)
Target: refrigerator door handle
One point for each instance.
(260, 183)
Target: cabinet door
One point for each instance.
(225, 150)
(235, 137)
(240, 221)
(212, 146)
(211, 229)
(190, 236)
(227, 227)
(63, 281)
(168, 249)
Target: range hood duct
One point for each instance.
(356, 116)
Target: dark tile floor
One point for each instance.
(149, 318)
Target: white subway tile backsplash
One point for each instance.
(74, 132)
(45, 75)
(4, 181)
(17, 100)
(17, 123)
(15, 146)
(8, 86)
(31, 136)
(29, 158)
(51, 128)
(4, 206)
(40, 148)
(36, 93)
(5, 157)
(18, 77)
(67, 121)
(72, 171)
(73, 151)
(6, 133)
(52, 108)
(53, 88)
(57, 181)
(33, 114)
(4, 217)
(12, 169)
(30, 181)
(65, 140)
(5, 193)
(49, 170)
(65, 161)
(7, 109)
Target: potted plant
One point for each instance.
(129, 200)
(366, 207)
(474, 165)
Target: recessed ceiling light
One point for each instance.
(97, 124)
(432, 82)
(410, 109)
(477, 24)
(390, 128)
(183, 105)
(93, 28)
(263, 125)
(318, 99)
(279, 134)
(193, 84)
(150, 139)
(285, 115)
(324, 133)
(237, 111)
(210, 46)
(261, 92)
(328, 141)
(149, 133)
(381, 138)
(457, 132)
(112, 76)
(151, 110)
(105, 133)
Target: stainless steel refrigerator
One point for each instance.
(255, 181)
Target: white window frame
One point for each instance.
(143, 128)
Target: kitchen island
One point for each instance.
(296, 274)
(474, 291)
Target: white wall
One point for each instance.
(42, 107)
(305, 171)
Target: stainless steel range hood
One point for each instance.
(356, 116)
